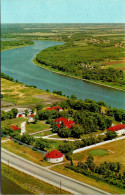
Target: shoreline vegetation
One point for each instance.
(7, 45)
(112, 86)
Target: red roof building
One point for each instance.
(31, 115)
(54, 156)
(116, 127)
(119, 129)
(15, 128)
(67, 122)
(54, 108)
(20, 115)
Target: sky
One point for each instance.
(62, 11)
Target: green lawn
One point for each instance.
(98, 152)
(39, 126)
(45, 133)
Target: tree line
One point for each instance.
(9, 44)
(108, 172)
(83, 61)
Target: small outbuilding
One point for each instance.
(54, 156)
(119, 129)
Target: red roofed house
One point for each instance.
(15, 128)
(54, 156)
(67, 122)
(55, 108)
(119, 129)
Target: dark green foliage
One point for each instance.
(26, 112)
(1, 96)
(111, 135)
(66, 147)
(39, 107)
(64, 132)
(78, 61)
(73, 97)
(116, 113)
(47, 90)
(8, 115)
(108, 172)
(76, 131)
(14, 111)
(7, 44)
(68, 156)
(41, 144)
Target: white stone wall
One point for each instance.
(55, 160)
(120, 132)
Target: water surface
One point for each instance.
(18, 64)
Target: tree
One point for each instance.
(41, 144)
(111, 135)
(3, 115)
(76, 131)
(66, 147)
(39, 107)
(64, 132)
(73, 97)
(26, 112)
(14, 111)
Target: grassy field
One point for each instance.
(45, 133)
(28, 182)
(39, 126)
(98, 152)
(115, 153)
(25, 152)
(19, 94)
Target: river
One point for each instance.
(18, 64)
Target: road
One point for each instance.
(49, 176)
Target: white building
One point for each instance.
(54, 156)
(119, 129)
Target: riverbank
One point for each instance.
(104, 84)
(7, 45)
(27, 182)
(21, 95)
(15, 47)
